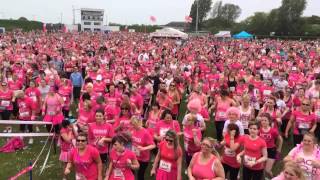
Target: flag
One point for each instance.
(65, 30)
(44, 27)
(153, 19)
(188, 19)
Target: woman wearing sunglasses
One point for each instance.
(303, 121)
(122, 160)
(85, 159)
(206, 164)
(168, 162)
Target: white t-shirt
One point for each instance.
(238, 123)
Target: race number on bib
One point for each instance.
(118, 173)
(222, 114)
(304, 125)
(166, 166)
(248, 159)
(266, 92)
(163, 131)
(5, 103)
(229, 152)
(24, 114)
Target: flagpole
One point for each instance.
(197, 20)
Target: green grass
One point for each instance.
(12, 163)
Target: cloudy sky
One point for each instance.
(128, 11)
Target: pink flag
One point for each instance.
(44, 27)
(65, 30)
(188, 19)
(153, 19)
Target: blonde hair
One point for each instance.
(213, 142)
(135, 120)
(295, 168)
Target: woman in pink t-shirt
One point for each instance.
(122, 123)
(255, 154)
(192, 137)
(206, 164)
(122, 161)
(6, 99)
(100, 134)
(168, 162)
(153, 118)
(291, 171)
(142, 143)
(272, 138)
(85, 116)
(303, 120)
(34, 93)
(85, 159)
(65, 91)
(167, 123)
(307, 156)
(231, 143)
(52, 110)
(67, 142)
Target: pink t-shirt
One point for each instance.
(34, 94)
(86, 117)
(85, 164)
(65, 146)
(26, 106)
(53, 105)
(203, 171)
(222, 107)
(142, 138)
(189, 144)
(253, 151)
(229, 156)
(5, 100)
(162, 127)
(65, 93)
(120, 170)
(98, 131)
(270, 136)
(302, 121)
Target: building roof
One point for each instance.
(175, 24)
(91, 9)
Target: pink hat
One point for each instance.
(234, 110)
(194, 105)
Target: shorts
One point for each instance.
(272, 153)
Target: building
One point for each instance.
(92, 19)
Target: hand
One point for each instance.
(191, 178)
(153, 172)
(140, 148)
(43, 113)
(194, 131)
(100, 142)
(311, 131)
(239, 159)
(129, 163)
(67, 171)
(286, 135)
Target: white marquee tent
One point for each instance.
(170, 33)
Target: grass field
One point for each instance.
(12, 163)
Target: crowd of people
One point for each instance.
(127, 92)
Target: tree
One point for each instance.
(230, 13)
(289, 16)
(257, 23)
(203, 10)
(22, 19)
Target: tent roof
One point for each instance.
(225, 34)
(169, 32)
(242, 35)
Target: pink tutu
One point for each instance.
(64, 156)
(55, 119)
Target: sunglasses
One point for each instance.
(124, 109)
(305, 104)
(81, 140)
(169, 140)
(206, 145)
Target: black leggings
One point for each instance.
(65, 113)
(188, 159)
(249, 174)
(5, 114)
(142, 169)
(55, 129)
(23, 127)
(233, 172)
(219, 129)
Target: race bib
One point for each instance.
(118, 173)
(266, 92)
(222, 114)
(51, 113)
(245, 124)
(64, 98)
(163, 131)
(34, 98)
(107, 80)
(136, 150)
(80, 176)
(232, 89)
(24, 114)
(229, 152)
(304, 125)
(166, 166)
(248, 159)
(5, 103)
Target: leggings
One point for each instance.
(188, 157)
(219, 128)
(142, 169)
(249, 174)
(5, 114)
(65, 113)
(233, 172)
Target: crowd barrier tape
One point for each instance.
(25, 170)
(26, 134)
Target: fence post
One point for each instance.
(30, 172)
